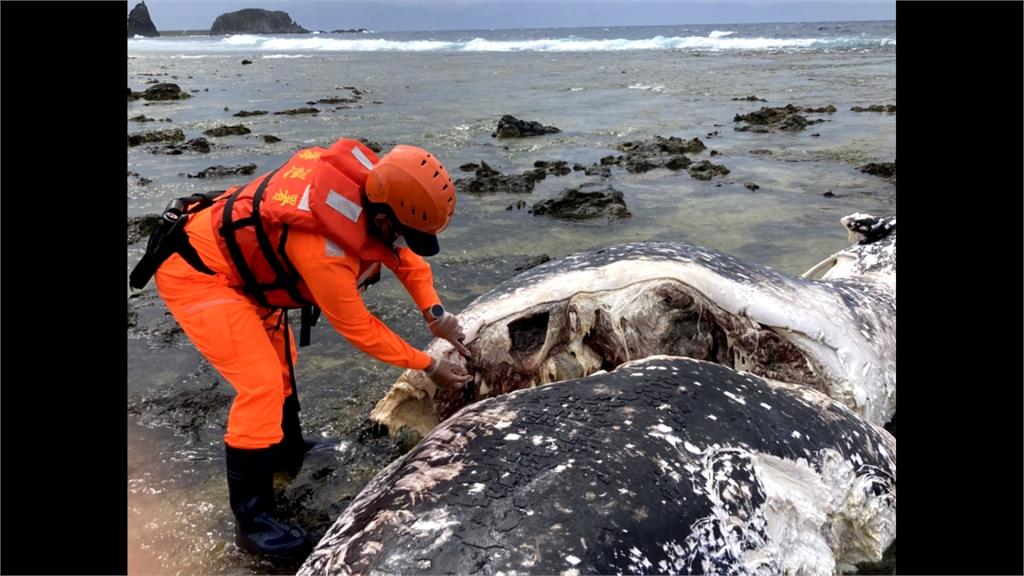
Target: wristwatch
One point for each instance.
(433, 313)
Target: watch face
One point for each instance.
(437, 310)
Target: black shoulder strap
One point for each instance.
(285, 275)
(227, 231)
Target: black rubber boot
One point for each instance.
(293, 448)
(251, 493)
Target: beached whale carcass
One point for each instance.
(595, 310)
(665, 465)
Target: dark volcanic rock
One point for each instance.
(165, 91)
(295, 111)
(236, 130)
(660, 145)
(512, 127)
(487, 180)
(172, 135)
(891, 108)
(705, 170)
(883, 169)
(752, 187)
(136, 179)
(244, 113)
(580, 204)
(762, 151)
(782, 118)
(349, 31)
(598, 170)
(270, 138)
(558, 167)
(256, 21)
(140, 227)
(751, 98)
(187, 412)
(215, 171)
(336, 100)
(644, 155)
(376, 147)
(140, 23)
(517, 205)
(532, 262)
(246, 62)
(194, 145)
(820, 110)
(678, 163)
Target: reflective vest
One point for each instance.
(318, 190)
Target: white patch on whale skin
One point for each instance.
(662, 431)
(796, 510)
(814, 519)
(734, 397)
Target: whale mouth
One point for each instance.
(594, 331)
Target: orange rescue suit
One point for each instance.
(312, 246)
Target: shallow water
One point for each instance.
(449, 102)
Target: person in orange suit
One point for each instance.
(310, 235)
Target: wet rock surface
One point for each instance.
(171, 135)
(296, 111)
(165, 91)
(584, 203)
(487, 180)
(882, 169)
(270, 138)
(533, 262)
(200, 145)
(780, 119)
(644, 155)
(375, 146)
(247, 113)
(140, 227)
(219, 171)
(235, 130)
(135, 179)
(751, 98)
(705, 170)
(512, 127)
(187, 412)
(154, 323)
(889, 108)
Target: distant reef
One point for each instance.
(256, 21)
(140, 23)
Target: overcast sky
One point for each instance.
(392, 15)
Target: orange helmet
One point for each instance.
(419, 191)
